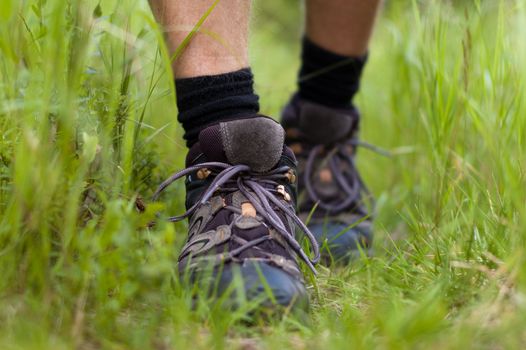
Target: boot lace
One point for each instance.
(260, 189)
(350, 183)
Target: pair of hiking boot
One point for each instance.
(254, 187)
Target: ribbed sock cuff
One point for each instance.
(207, 100)
(328, 78)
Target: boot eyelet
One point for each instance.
(203, 173)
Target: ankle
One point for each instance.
(207, 100)
(329, 78)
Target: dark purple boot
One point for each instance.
(324, 141)
(241, 200)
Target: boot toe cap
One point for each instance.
(262, 283)
(253, 283)
(341, 243)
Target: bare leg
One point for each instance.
(341, 26)
(213, 79)
(322, 114)
(221, 44)
(218, 109)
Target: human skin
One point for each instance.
(341, 26)
(221, 44)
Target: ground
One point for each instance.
(89, 129)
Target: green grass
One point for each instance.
(88, 123)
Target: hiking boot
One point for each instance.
(324, 141)
(240, 200)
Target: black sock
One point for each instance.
(207, 100)
(328, 78)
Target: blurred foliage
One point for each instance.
(88, 124)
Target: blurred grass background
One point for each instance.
(88, 123)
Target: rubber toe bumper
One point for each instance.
(263, 283)
(339, 243)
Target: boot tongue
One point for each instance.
(256, 142)
(324, 125)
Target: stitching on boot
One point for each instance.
(226, 140)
